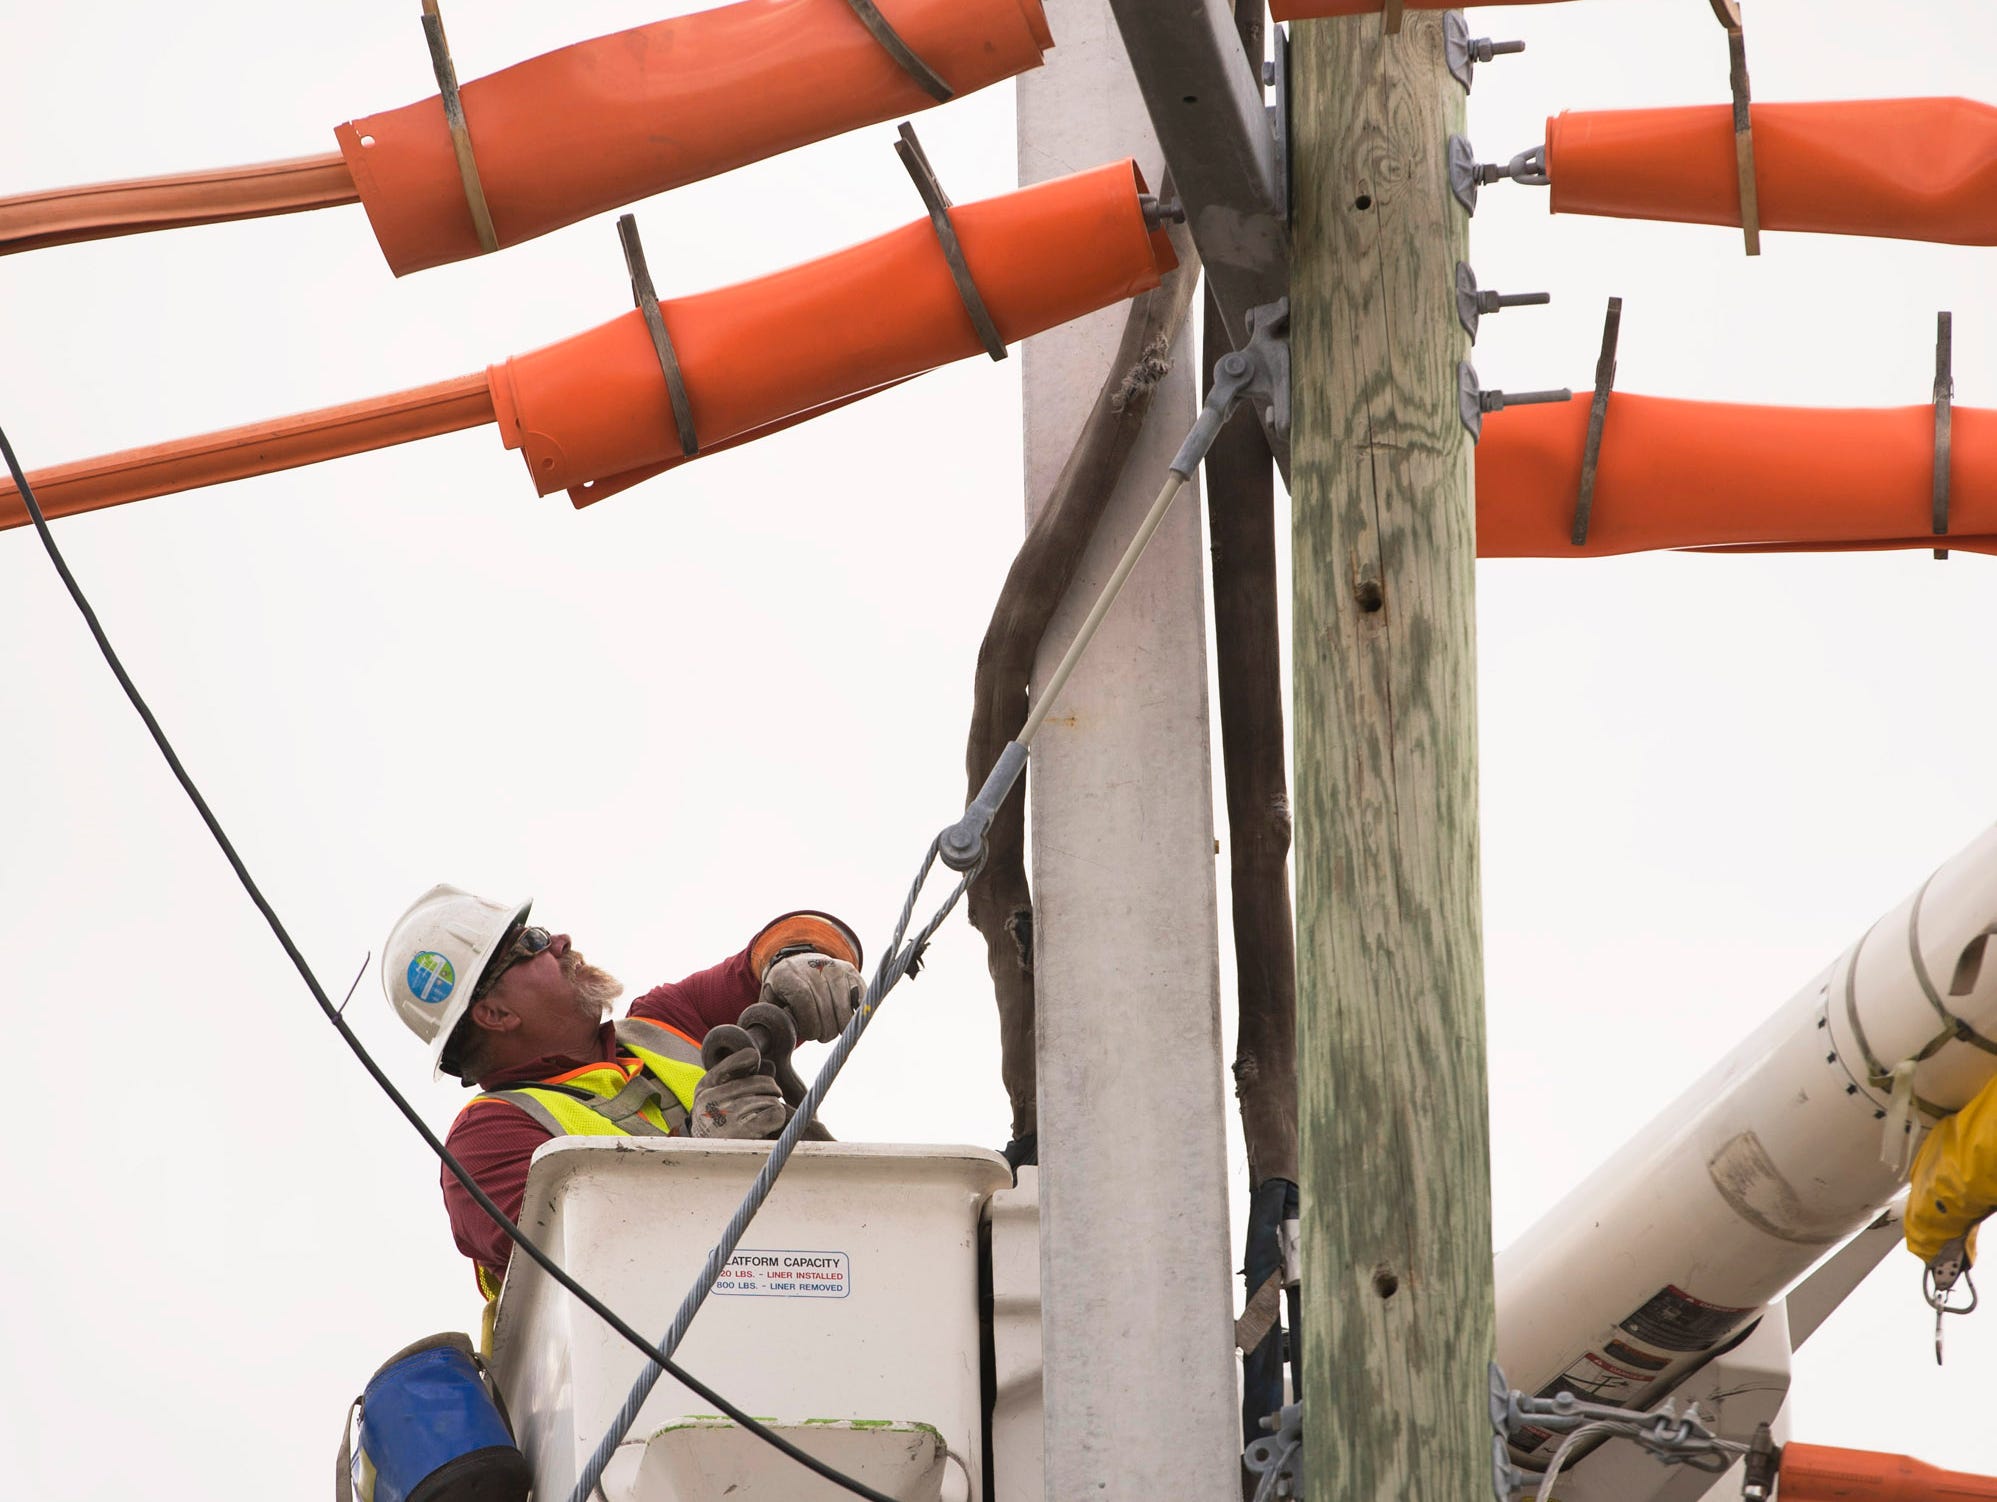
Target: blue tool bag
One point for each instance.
(432, 1429)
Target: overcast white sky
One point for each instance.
(744, 687)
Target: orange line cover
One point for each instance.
(1821, 1473)
(581, 129)
(1682, 474)
(606, 122)
(595, 407)
(592, 413)
(101, 211)
(1908, 169)
(257, 449)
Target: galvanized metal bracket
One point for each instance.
(1944, 421)
(1204, 96)
(1472, 303)
(1259, 374)
(1507, 1480)
(879, 28)
(655, 324)
(454, 119)
(1598, 415)
(1463, 52)
(1279, 1459)
(909, 149)
(1473, 401)
(1467, 174)
(1276, 76)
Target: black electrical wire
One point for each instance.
(485, 1202)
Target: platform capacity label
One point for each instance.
(781, 1274)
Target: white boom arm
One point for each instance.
(1683, 1240)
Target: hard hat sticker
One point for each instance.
(431, 977)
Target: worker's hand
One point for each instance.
(733, 1100)
(818, 991)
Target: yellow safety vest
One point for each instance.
(649, 1094)
(646, 1095)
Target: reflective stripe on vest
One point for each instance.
(648, 1095)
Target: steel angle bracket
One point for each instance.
(1204, 96)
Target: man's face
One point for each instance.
(556, 988)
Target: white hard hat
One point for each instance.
(436, 954)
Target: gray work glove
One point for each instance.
(733, 1100)
(818, 991)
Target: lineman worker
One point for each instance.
(519, 1012)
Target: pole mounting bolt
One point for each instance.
(1472, 303)
(1464, 52)
(1473, 401)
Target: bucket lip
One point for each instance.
(976, 1170)
(716, 1147)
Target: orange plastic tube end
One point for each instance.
(1821, 1473)
(1905, 169)
(758, 354)
(606, 122)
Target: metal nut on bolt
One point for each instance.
(1463, 52)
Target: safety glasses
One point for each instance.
(521, 944)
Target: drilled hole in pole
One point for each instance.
(1385, 1283)
(1363, 201)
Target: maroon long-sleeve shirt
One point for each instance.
(495, 1140)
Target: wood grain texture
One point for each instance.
(1398, 1308)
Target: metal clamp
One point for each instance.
(904, 55)
(1763, 1466)
(655, 323)
(1944, 420)
(454, 117)
(909, 149)
(1728, 14)
(1260, 370)
(1467, 174)
(1472, 304)
(1463, 52)
(1598, 414)
(1674, 1438)
(1279, 1459)
(1473, 401)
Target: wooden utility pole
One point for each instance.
(1398, 1309)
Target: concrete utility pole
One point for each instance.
(1397, 1309)
(1137, 1302)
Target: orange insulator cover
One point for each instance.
(1907, 169)
(1305, 10)
(609, 121)
(257, 449)
(1821, 1473)
(595, 408)
(1682, 474)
